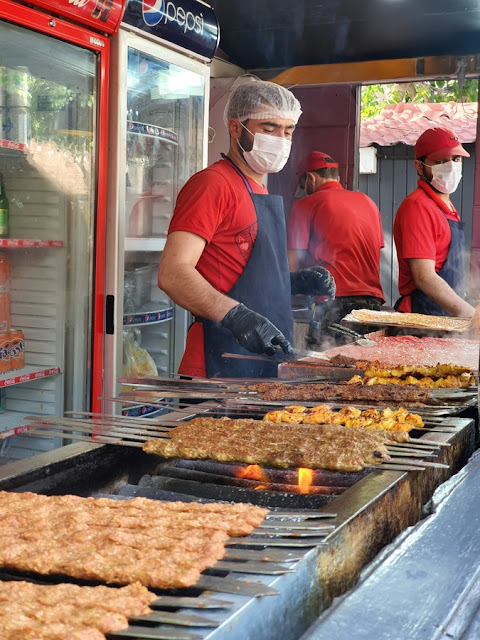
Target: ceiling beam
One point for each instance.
(382, 71)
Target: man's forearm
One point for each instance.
(190, 290)
(293, 259)
(444, 296)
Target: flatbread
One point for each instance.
(412, 320)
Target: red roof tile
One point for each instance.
(404, 122)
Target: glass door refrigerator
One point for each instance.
(53, 146)
(159, 95)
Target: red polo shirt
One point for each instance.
(216, 205)
(342, 231)
(421, 230)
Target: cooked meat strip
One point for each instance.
(118, 541)
(323, 391)
(275, 445)
(68, 612)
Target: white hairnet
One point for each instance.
(259, 100)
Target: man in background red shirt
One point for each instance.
(428, 233)
(340, 230)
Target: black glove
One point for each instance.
(313, 281)
(254, 332)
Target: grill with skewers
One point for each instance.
(310, 548)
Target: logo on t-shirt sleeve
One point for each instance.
(246, 239)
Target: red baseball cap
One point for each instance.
(316, 160)
(438, 143)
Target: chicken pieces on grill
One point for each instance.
(387, 419)
(449, 376)
(438, 371)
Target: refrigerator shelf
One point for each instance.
(12, 145)
(148, 317)
(151, 131)
(26, 374)
(25, 243)
(145, 244)
(12, 423)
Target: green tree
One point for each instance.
(376, 96)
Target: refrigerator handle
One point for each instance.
(109, 315)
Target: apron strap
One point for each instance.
(240, 173)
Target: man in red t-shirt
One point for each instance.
(340, 230)
(428, 232)
(225, 259)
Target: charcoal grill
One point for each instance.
(311, 559)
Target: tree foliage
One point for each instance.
(376, 96)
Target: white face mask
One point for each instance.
(269, 154)
(446, 176)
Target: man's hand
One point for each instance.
(476, 320)
(254, 332)
(313, 281)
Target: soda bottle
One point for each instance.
(4, 272)
(4, 294)
(4, 210)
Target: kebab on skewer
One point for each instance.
(279, 445)
(159, 544)
(32, 611)
(389, 419)
(440, 376)
(315, 392)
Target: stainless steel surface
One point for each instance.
(150, 633)
(190, 603)
(431, 575)
(190, 620)
(253, 588)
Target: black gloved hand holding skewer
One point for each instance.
(254, 332)
(313, 281)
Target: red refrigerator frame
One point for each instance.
(74, 34)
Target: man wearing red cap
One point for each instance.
(428, 233)
(340, 230)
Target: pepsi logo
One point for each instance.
(156, 11)
(152, 11)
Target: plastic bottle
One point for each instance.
(4, 294)
(4, 210)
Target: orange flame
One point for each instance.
(253, 472)
(305, 479)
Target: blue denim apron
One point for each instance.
(264, 287)
(453, 272)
